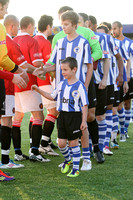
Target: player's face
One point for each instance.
(67, 27)
(115, 30)
(67, 72)
(3, 10)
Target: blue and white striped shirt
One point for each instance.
(129, 47)
(78, 48)
(124, 55)
(98, 73)
(70, 98)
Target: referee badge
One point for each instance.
(75, 94)
(77, 50)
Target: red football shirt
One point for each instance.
(31, 51)
(17, 57)
(45, 47)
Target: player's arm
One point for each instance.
(43, 93)
(83, 125)
(88, 75)
(128, 66)
(103, 83)
(119, 78)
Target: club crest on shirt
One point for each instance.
(77, 50)
(75, 94)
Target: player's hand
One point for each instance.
(119, 80)
(102, 84)
(125, 87)
(39, 71)
(19, 81)
(34, 87)
(24, 75)
(83, 126)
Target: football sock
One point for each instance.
(121, 114)
(30, 130)
(76, 157)
(36, 135)
(16, 137)
(115, 127)
(102, 133)
(127, 119)
(5, 144)
(47, 129)
(109, 122)
(93, 131)
(86, 153)
(65, 153)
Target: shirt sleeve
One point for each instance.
(5, 62)
(6, 75)
(96, 51)
(83, 95)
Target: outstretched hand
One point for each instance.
(19, 81)
(40, 72)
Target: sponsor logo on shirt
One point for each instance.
(94, 38)
(20, 58)
(105, 52)
(69, 101)
(77, 50)
(37, 55)
(3, 42)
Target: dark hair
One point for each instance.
(118, 24)
(44, 21)
(64, 9)
(71, 61)
(84, 16)
(107, 24)
(3, 2)
(25, 21)
(92, 19)
(70, 15)
(104, 27)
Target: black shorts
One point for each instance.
(92, 94)
(2, 97)
(129, 94)
(68, 125)
(110, 94)
(117, 99)
(101, 96)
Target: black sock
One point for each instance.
(30, 133)
(93, 130)
(5, 144)
(36, 137)
(46, 133)
(16, 137)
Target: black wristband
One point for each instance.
(15, 69)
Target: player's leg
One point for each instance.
(49, 122)
(100, 116)
(109, 120)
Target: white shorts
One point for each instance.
(48, 104)
(28, 101)
(9, 106)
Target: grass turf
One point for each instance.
(112, 180)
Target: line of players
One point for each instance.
(112, 50)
